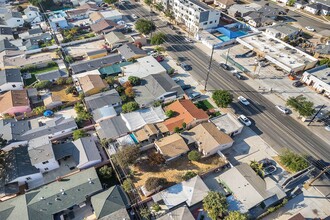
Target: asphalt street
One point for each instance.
(280, 131)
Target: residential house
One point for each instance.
(150, 132)
(224, 4)
(41, 154)
(104, 113)
(248, 189)
(171, 147)
(195, 15)
(115, 39)
(300, 4)
(181, 213)
(267, 15)
(18, 133)
(143, 67)
(189, 193)
(111, 128)
(88, 65)
(34, 42)
(322, 8)
(243, 10)
(319, 79)
(111, 204)
(52, 101)
(83, 151)
(14, 102)
(108, 98)
(35, 98)
(185, 113)
(209, 139)
(157, 87)
(228, 124)
(13, 59)
(83, 11)
(32, 15)
(103, 26)
(96, 54)
(139, 39)
(52, 76)
(130, 51)
(54, 200)
(112, 15)
(57, 22)
(91, 84)
(10, 79)
(13, 19)
(323, 50)
(282, 31)
(5, 44)
(6, 33)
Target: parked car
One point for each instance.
(185, 66)
(309, 28)
(297, 84)
(327, 128)
(194, 95)
(244, 120)
(269, 170)
(282, 109)
(238, 75)
(185, 87)
(178, 32)
(134, 16)
(188, 40)
(224, 66)
(243, 100)
(175, 79)
(160, 58)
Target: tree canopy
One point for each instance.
(304, 107)
(153, 182)
(145, 26)
(194, 155)
(45, 84)
(293, 161)
(105, 172)
(127, 155)
(158, 38)
(134, 80)
(79, 134)
(215, 204)
(127, 185)
(129, 107)
(236, 215)
(222, 98)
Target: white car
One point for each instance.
(282, 109)
(243, 100)
(309, 28)
(244, 120)
(188, 40)
(134, 16)
(327, 128)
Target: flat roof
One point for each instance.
(226, 123)
(277, 51)
(322, 73)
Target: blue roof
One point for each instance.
(113, 69)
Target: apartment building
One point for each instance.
(195, 15)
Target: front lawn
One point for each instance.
(204, 104)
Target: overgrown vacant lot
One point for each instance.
(174, 171)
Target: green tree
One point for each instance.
(169, 113)
(3, 142)
(45, 84)
(61, 81)
(159, 6)
(222, 98)
(39, 110)
(177, 130)
(134, 80)
(157, 103)
(69, 81)
(194, 155)
(169, 14)
(156, 207)
(301, 105)
(79, 134)
(144, 26)
(69, 59)
(158, 38)
(184, 125)
(236, 215)
(120, 89)
(124, 98)
(257, 167)
(110, 80)
(110, 2)
(159, 49)
(325, 61)
(127, 185)
(291, 2)
(215, 204)
(148, 2)
(70, 89)
(153, 182)
(188, 175)
(293, 161)
(127, 155)
(145, 213)
(105, 172)
(105, 142)
(129, 107)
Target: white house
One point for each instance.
(32, 15)
(319, 79)
(42, 155)
(10, 80)
(228, 123)
(313, 8)
(14, 19)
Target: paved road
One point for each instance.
(280, 131)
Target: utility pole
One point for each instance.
(318, 176)
(209, 68)
(227, 55)
(316, 115)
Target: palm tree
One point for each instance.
(257, 167)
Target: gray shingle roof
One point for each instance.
(12, 14)
(40, 150)
(284, 29)
(112, 128)
(51, 75)
(115, 37)
(10, 76)
(323, 49)
(35, 31)
(94, 52)
(6, 45)
(89, 65)
(107, 203)
(129, 50)
(181, 213)
(102, 99)
(6, 30)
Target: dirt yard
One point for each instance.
(60, 91)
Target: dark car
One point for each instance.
(238, 75)
(185, 87)
(185, 66)
(224, 66)
(178, 32)
(297, 84)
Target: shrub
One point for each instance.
(61, 81)
(110, 80)
(157, 103)
(127, 185)
(120, 89)
(79, 134)
(127, 155)
(129, 92)
(169, 113)
(134, 80)
(156, 207)
(188, 175)
(177, 130)
(39, 110)
(194, 155)
(293, 161)
(222, 98)
(69, 81)
(144, 26)
(70, 89)
(158, 38)
(153, 182)
(105, 172)
(124, 98)
(215, 204)
(129, 107)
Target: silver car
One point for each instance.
(282, 109)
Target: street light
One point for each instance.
(209, 68)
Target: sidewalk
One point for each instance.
(275, 98)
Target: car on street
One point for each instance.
(244, 120)
(309, 28)
(327, 128)
(243, 100)
(238, 75)
(185, 87)
(176, 79)
(188, 40)
(224, 66)
(194, 95)
(185, 66)
(282, 109)
(178, 32)
(134, 16)
(297, 84)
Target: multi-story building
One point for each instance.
(194, 14)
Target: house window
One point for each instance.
(18, 20)
(13, 85)
(45, 162)
(46, 168)
(28, 178)
(205, 23)
(210, 22)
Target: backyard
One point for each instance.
(59, 91)
(34, 71)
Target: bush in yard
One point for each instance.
(105, 172)
(157, 103)
(177, 130)
(61, 81)
(110, 2)
(236, 215)
(45, 84)
(79, 134)
(215, 204)
(159, 49)
(129, 107)
(148, 2)
(120, 89)
(170, 71)
(129, 92)
(39, 110)
(127, 155)
(188, 175)
(156, 158)
(145, 26)
(156, 207)
(69, 81)
(69, 59)
(169, 113)
(293, 161)
(158, 38)
(51, 64)
(145, 213)
(134, 80)
(110, 80)
(153, 182)
(184, 125)
(127, 185)
(222, 98)
(257, 167)
(194, 155)
(70, 89)
(124, 98)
